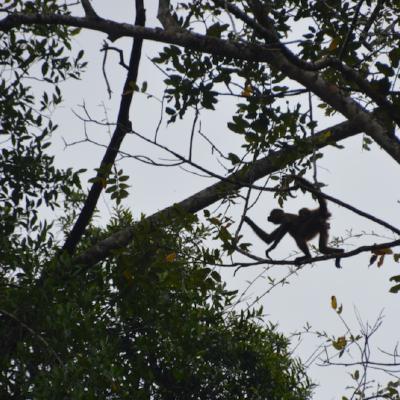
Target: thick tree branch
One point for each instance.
(204, 198)
(303, 72)
(192, 40)
(89, 10)
(123, 126)
(165, 17)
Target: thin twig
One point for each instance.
(196, 116)
(103, 67)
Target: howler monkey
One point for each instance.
(303, 226)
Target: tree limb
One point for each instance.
(165, 17)
(89, 10)
(122, 127)
(275, 161)
(347, 254)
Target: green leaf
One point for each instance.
(395, 278)
(395, 289)
(234, 158)
(45, 68)
(384, 69)
(216, 276)
(216, 29)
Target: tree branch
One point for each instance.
(371, 20)
(123, 126)
(351, 75)
(351, 208)
(303, 72)
(285, 61)
(165, 17)
(275, 161)
(89, 10)
(351, 253)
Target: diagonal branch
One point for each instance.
(89, 10)
(165, 17)
(123, 126)
(371, 20)
(303, 73)
(351, 208)
(275, 161)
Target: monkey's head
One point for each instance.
(277, 216)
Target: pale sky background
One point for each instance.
(366, 180)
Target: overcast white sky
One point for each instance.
(367, 180)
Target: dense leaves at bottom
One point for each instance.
(148, 324)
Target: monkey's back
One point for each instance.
(308, 224)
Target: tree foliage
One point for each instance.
(148, 324)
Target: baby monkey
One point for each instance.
(303, 226)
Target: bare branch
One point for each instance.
(106, 48)
(123, 126)
(351, 253)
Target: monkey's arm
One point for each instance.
(321, 200)
(323, 207)
(274, 237)
(267, 238)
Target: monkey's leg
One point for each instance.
(273, 245)
(323, 244)
(302, 245)
(277, 236)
